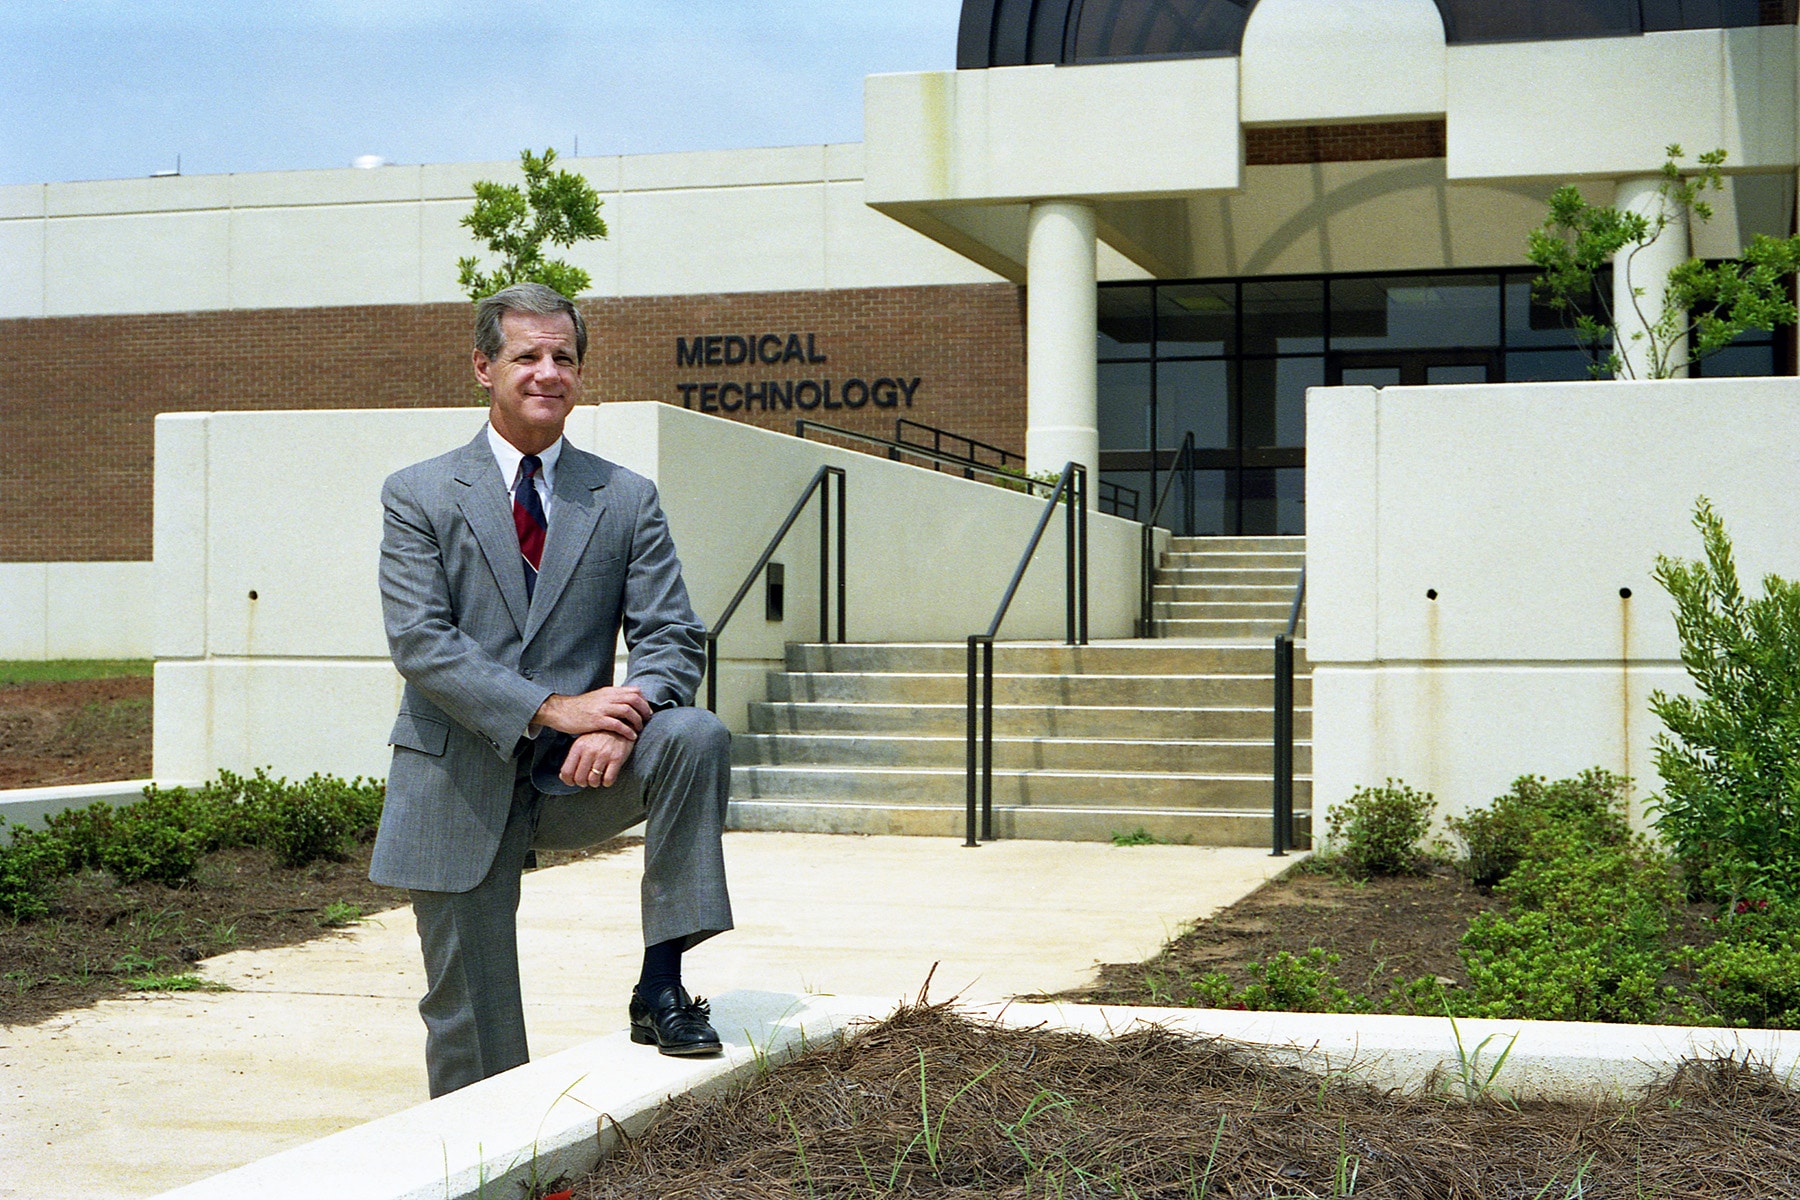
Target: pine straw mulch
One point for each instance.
(1152, 1114)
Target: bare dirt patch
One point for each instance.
(931, 1104)
(103, 940)
(1380, 929)
(75, 731)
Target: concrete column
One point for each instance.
(1648, 272)
(1062, 412)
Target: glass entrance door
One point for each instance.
(1411, 368)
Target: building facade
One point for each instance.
(1116, 224)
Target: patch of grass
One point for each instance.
(340, 913)
(67, 670)
(184, 981)
(1138, 837)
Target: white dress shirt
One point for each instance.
(510, 456)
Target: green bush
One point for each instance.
(31, 862)
(1535, 965)
(1377, 830)
(153, 840)
(1296, 983)
(1585, 938)
(1730, 756)
(1494, 840)
(83, 831)
(1746, 983)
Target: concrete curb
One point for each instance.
(1548, 1059)
(563, 1114)
(29, 806)
(559, 1115)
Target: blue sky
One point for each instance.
(101, 89)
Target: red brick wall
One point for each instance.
(78, 394)
(1362, 142)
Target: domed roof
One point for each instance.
(1009, 33)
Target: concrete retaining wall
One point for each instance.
(269, 643)
(1469, 552)
(52, 610)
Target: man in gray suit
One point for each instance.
(502, 613)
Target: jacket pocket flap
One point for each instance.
(419, 733)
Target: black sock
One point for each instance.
(662, 967)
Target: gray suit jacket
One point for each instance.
(478, 659)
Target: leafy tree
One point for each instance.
(1707, 304)
(561, 208)
(1730, 759)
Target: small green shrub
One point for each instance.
(1534, 965)
(1730, 756)
(1745, 983)
(31, 862)
(1496, 839)
(1377, 830)
(1296, 983)
(1585, 938)
(83, 831)
(153, 840)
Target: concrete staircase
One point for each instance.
(1170, 735)
(1237, 587)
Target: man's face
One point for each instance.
(534, 381)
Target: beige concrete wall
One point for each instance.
(75, 610)
(285, 505)
(1526, 508)
(1609, 106)
(718, 221)
(1011, 133)
(1342, 60)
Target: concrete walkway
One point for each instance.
(140, 1095)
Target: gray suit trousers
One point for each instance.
(677, 781)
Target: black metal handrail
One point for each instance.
(1147, 538)
(1116, 494)
(902, 424)
(1281, 815)
(820, 483)
(1071, 491)
(1007, 475)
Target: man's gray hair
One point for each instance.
(523, 298)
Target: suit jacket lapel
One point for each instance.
(578, 493)
(488, 510)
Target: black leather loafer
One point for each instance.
(673, 1022)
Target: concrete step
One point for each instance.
(1241, 576)
(1150, 724)
(1166, 691)
(1047, 823)
(1258, 610)
(1137, 656)
(1226, 628)
(1224, 593)
(1245, 757)
(1235, 560)
(1292, 544)
(947, 785)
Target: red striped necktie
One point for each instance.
(528, 519)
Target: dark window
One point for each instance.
(1544, 20)
(1538, 20)
(1396, 312)
(1195, 319)
(1126, 326)
(1700, 14)
(1010, 33)
(1115, 29)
